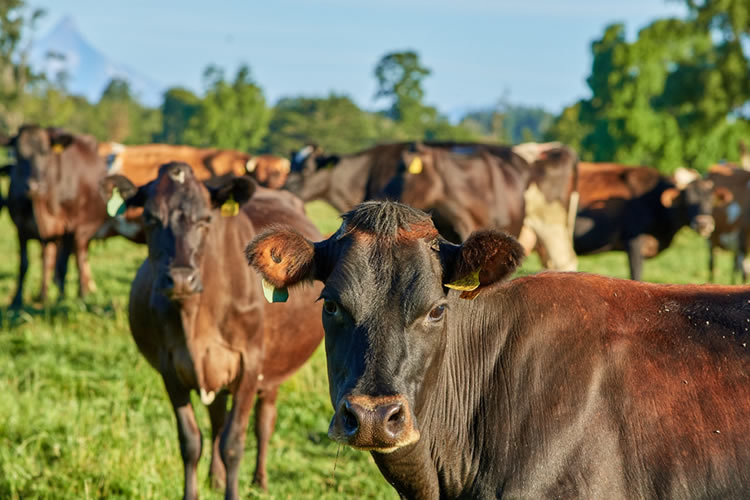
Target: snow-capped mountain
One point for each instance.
(87, 70)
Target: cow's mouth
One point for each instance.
(704, 225)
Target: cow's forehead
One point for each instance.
(177, 188)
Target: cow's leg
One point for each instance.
(23, 266)
(191, 441)
(64, 250)
(218, 413)
(635, 258)
(49, 252)
(232, 444)
(711, 275)
(85, 283)
(265, 420)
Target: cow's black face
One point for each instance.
(178, 212)
(36, 151)
(385, 315)
(697, 201)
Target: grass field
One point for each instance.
(83, 415)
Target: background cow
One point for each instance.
(637, 210)
(549, 386)
(140, 163)
(464, 185)
(198, 315)
(40, 184)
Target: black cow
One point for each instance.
(558, 385)
(637, 210)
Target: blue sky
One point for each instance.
(537, 52)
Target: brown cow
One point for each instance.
(463, 186)
(637, 210)
(54, 197)
(198, 315)
(141, 163)
(558, 385)
(732, 215)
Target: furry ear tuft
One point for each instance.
(282, 256)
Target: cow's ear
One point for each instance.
(120, 193)
(668, 196)
(284, 258)
(486, 257)
(236, 189)
(722, 197)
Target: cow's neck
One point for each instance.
(466, 396)
(348, 181)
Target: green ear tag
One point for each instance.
(116, 205)
(230, 208)
(273, 294)
(466, 283)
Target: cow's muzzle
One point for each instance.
(703, 225)
(181, 282)
(382, 424)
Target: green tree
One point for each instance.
(121, 118)
(335, 123)
(15, 74)
(178, 108)
(231, 115)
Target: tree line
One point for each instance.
(678, 94)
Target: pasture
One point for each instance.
(82, 414)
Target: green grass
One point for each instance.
(83, 415)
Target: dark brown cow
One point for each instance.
(54, 197)
(141, 163)
(637, 210)
(465, 187)
(558, 385)
(198, 315)
(732, 215)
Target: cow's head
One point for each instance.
(305, 164)
(692, 203)
(36, 150)
(178, 212)
(386, 311)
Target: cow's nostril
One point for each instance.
(349, 420)
(394, 421)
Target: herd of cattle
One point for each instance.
(460, 382)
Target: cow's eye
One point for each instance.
(150, 219)
(330, 307)
(437, 313)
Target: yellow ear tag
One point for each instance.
(230, 208)
(466, 283)
(58, 148)
(415, 166)
(116, 205)
(273, 294)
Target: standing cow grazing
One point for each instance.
(198, 315)
(559, 385)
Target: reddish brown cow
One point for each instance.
(198, 314)
(637, 210)
(141, 163)
(558, 385)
